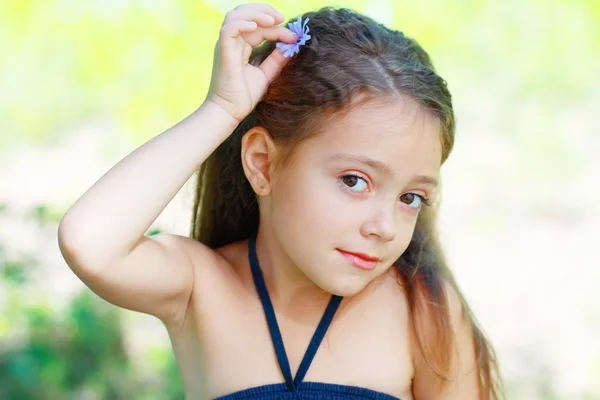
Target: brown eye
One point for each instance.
(413, 200)
(350, 180)
(355, 183)
(408, 198)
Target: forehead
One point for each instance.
(395, 131)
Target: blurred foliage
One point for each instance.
(74, 354)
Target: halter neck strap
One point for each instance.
(269, 311)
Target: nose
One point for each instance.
(380, 224)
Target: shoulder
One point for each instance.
(459, 365)
(218, 272)
(456, 304)
(217, 279)
(212, 268)
(448, 320)
(202, 257)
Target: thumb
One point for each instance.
(272, 65)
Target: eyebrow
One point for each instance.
(427, 180)
(384, 168)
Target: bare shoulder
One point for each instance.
(218, 273)
(209, 265)
(225, 260)
(199, 254)
(457, 311)
(461, 374)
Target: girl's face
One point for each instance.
(344, 207)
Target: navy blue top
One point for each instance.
(296, 388)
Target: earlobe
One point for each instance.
(258, 153)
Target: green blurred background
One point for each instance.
(84, 83)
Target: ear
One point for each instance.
(258, 159)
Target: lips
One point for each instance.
(364, 256)
(360, 260)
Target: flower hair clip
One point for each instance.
(300, 29)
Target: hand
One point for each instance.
(236, 86)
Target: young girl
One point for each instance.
(313, 270)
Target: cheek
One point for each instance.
(312, 204)
(404, 236)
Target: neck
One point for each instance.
(291, 291)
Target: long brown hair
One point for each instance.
(349, 55)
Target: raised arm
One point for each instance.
(102, 236)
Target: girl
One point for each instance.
(313, 270)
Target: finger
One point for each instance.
(265, 8)
(273, 64)
(262, 19)
(273, 33)
(235, 28)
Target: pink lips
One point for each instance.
(360, 260)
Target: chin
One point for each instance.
(347, 287)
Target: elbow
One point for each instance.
(78, 250)
(71, 238)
